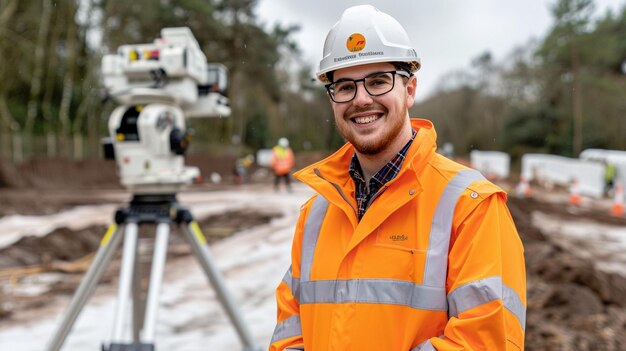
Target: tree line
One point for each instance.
(50, 94)
(559, 94)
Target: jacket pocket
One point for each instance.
(394, 256)
(395, 240)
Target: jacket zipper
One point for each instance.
(317, 172)
(380, 191)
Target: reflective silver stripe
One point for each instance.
(292, 283)
(435, 270)
(513, 303)
(288, 278)
(383, 291)
(474, 294)
(295, 348)
(425, 346)
(482, 291)
(311, 232)
(288, 328)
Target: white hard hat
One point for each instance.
(365, 35)
(283, 142)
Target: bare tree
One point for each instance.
(47, 110)
(7, 122)
(68, 78)
(38, 70)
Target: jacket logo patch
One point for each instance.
(398, 237)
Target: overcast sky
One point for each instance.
(446, 34)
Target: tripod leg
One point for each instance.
(201, 250)
(138, 299)
(156, 279)
(125, 282)
(109, 243)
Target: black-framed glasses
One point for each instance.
(376, 84)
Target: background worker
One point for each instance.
(609, 177)
(282, 163)
(400, 249)
(241, 169)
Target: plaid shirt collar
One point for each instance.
(388, 172)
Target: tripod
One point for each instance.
(162, 210)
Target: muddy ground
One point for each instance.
(572, 305)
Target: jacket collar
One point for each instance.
(334, 169)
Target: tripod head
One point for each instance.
(158, 86)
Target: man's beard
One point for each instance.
(392, 130)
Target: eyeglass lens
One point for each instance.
(375, 84)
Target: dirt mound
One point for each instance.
(65, 244)
(69, 251)
(52, 173)
(62, 244)
(571, 304)
(60, 173)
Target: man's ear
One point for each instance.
(411, 88)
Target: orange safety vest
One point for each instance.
(435, 263)
(282, 160)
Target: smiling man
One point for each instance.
(400, 249)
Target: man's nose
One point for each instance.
(362, 96)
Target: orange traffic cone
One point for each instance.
(523, 188)
(617, 210)
(574, 194)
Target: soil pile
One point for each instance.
(571, 304)
(60, 173)
(69, 251)
(54, 173)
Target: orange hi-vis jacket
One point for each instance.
(434, 264)
(282, 160)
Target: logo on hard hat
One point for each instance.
(355, 42)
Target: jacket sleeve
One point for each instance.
(288, 332)
(486, 283)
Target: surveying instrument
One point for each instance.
(157, 86)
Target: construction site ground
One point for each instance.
(52, 221)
